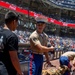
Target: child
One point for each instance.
(65, 60)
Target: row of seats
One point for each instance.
(64, 3)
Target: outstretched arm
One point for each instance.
(15, 61)
(40, 48)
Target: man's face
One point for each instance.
(40, 27)
(14, 25)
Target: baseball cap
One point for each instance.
(41, 19)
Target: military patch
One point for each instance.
(34, 39)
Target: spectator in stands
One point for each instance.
(9, 53)
(38, 42)
(52, 52)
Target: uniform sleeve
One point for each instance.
(12, 43)
(35, 40)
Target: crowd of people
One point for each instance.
(60, 42)
(40, 44)
(22, 36)
(63, 18)
(65, 1)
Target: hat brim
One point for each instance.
(41, 22)
(41, 19)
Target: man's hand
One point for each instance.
(52, 48)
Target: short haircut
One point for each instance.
(10, 16)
